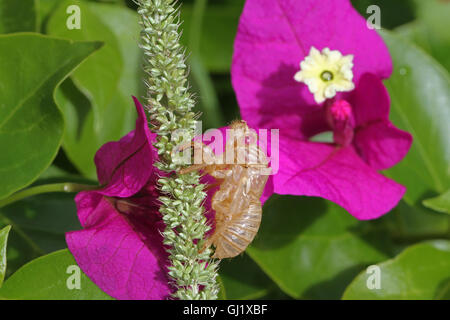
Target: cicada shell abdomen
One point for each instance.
(238, 217)
(235, 235)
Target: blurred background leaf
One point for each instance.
(242, 279)
(408, 224)
(311, 248)
(40, 222)
(3, 243)
(430, 29)
(44, 10)
(420, 272)
(420, 96)
(18, 16)
(440, 203)
(393, 13)
(46, 278)
(97, 102)
(216, 35)
(211, 48)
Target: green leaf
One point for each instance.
(389, 10)
(430, 30)
(3, 242)
(96, 103)
(45, 9)
(415, 223)
(275, 294)
(440, 203)
(420, 272)
(425, 170)
(50, 278)
(39, 224)
(217, 33)
(31, 126)
(242, 279)
(420, 96)
(17, 16)
(312, 248)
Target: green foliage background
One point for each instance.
(80, 83)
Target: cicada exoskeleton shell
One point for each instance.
(237, 201)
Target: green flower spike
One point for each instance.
(193, 274)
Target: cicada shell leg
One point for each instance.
(194, 167)
(207, 154)
(212, 185)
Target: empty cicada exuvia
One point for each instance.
(242, 178)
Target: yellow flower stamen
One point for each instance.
(326, 73)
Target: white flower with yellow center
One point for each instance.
(326, 73)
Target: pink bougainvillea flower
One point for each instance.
(120, 247)
(279, 47)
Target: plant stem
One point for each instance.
(196, 27)
(192, 274)
(46, 188)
